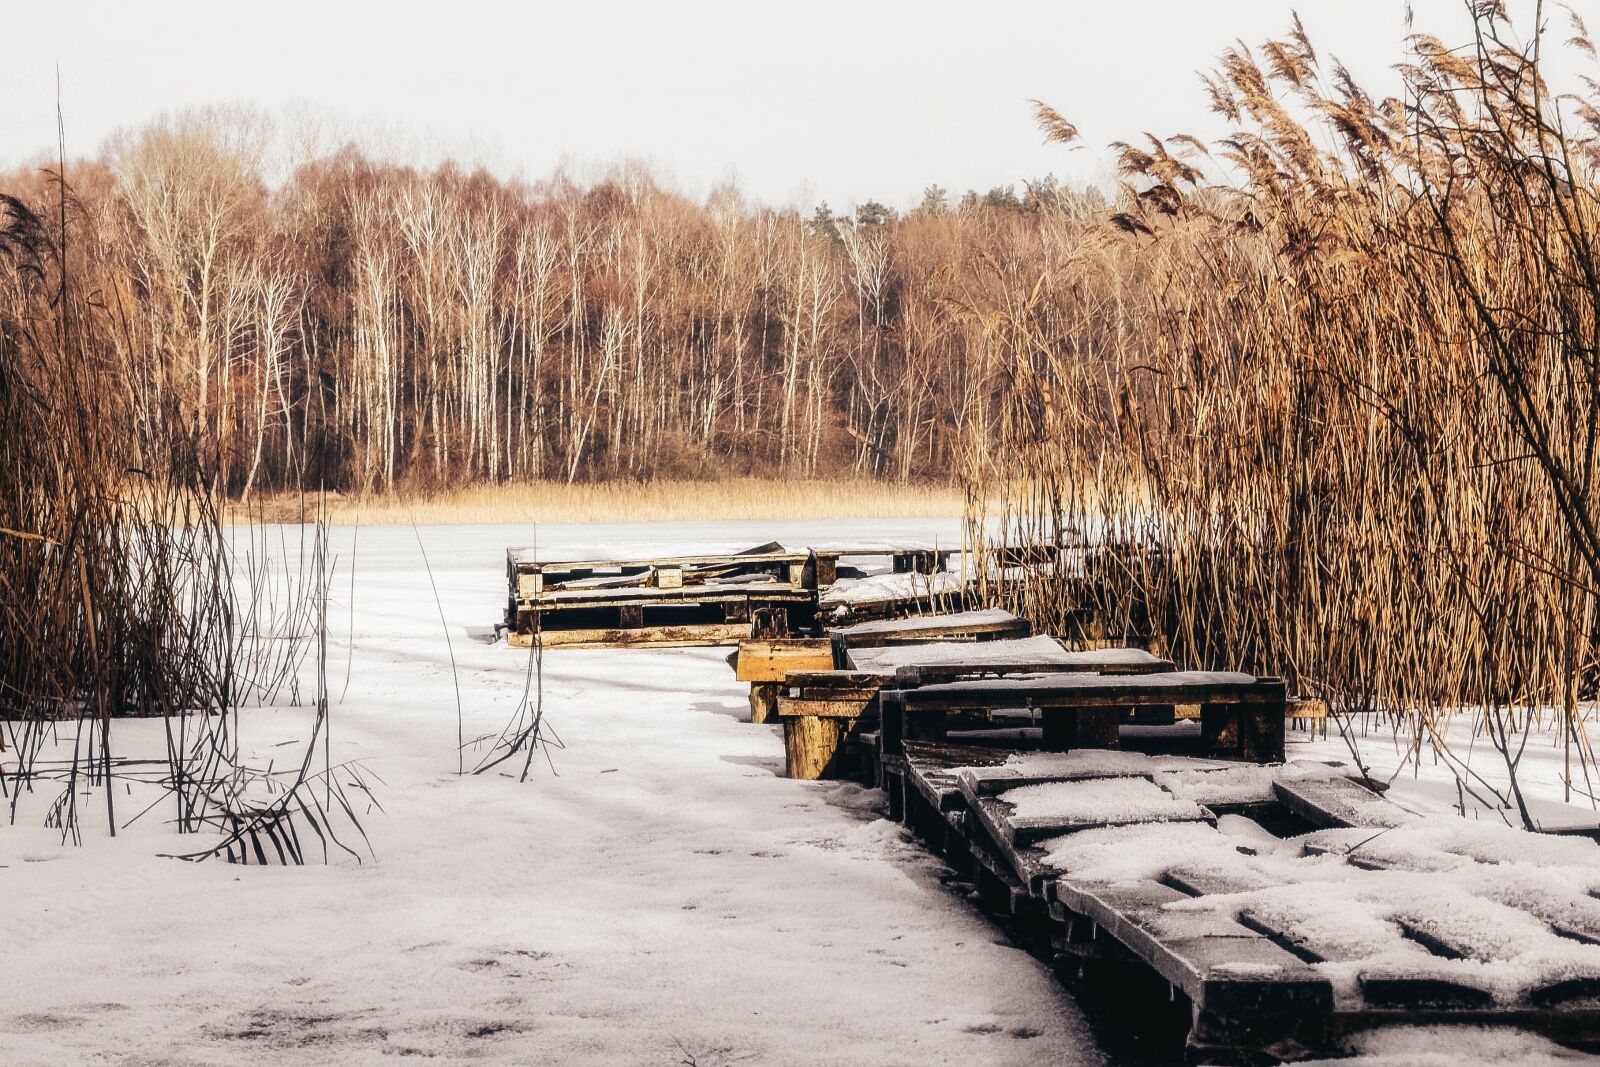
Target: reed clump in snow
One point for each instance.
(1335, 415)
(120, 586)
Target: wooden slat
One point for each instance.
(569, 599)
(639, 637)
(921, 627)
(1095, 690)
(770, 659)
(1225, 968)
(792, 708)
(1339, 802)
(831, 679)
(722, 559)
(913, 677)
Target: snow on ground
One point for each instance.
(661, 896)
(1429, 785)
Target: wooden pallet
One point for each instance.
(990, 624)
(1262, 986)
(1241, 716)
(667, 600)
(820, 709)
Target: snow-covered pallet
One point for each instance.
(820, 709)
(887, 597)
(987, 624)
(668, 600)
(1350, 912)
(1240, 716)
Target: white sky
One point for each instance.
(798, 101)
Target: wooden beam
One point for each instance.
(642, 637)
(1090, 691)
(838, 707)
(770, 659)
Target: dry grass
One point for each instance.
(740, 498)
(1341, 422)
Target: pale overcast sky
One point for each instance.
(843, 101)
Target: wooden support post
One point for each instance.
(764, 701)
(766, 622)
(814, 745)
(630, 616)
(1261, 730)
(892, 730)
(841, 651)
(1249, 732)
(1219, 729)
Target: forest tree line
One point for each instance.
(363, 327)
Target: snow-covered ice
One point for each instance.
(661, 895)
(657, 894)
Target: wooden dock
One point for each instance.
(1283, 941)
(714, 597)
(1284, 907)
(1133, 824)
(706, 599)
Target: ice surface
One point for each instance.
(660, 893)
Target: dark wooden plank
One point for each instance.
(1223, 967)
(642, 637)
(1138, 663)
(1339, 802)
(833, 679)
(1096, 690)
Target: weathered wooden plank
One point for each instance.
(933, 767)
(831, 679)
(642, 637)
(571, 599)
(1225, 968)
(1110, 661)
(838, 707)
(995, 813)
(769, 554)
(770, 659)
(991, 622)
(1339, 802)
(1098, 690)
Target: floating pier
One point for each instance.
(720, 597)
(1135, 825)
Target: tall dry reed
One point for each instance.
(1335, 416)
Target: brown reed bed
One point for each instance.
(123, 593)
(1333, 416)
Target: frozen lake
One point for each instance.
(656, 893)
(659, 895)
